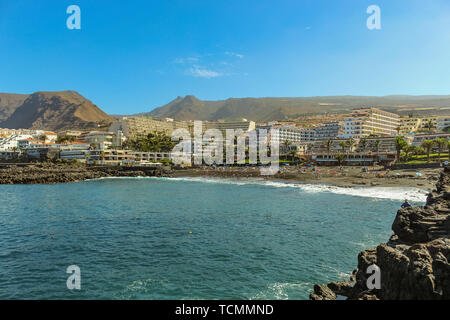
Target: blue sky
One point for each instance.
(132, 56)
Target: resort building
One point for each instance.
(11, 142)
(98, 139)
(282, 133)
(443, 123)
(370, 121)
(151, 156)
(330, 146)
(9, 155)
(298, 149)
(330, 130)
(418, 139)
(70, 133)
(410, 125)
(117, 157)
(142, 126)
(355, 159)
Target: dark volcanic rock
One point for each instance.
(53, 173)
(414, 263)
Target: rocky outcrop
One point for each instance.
(59, 173)
(414, 264)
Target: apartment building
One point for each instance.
(419, 138)
(330, 146)
(443, 123)
(98, 139)
(141, 126)
(117, 157)
(245, 126)
(282, 133)
(366, 121)
(414, 124)
(409, 125)
(330, 130)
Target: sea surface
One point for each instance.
(187, 238)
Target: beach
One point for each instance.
(339, 176)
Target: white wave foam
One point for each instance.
(280, 291)
(393, 193)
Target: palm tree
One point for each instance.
(286, 145)
(441, 144)
(363, 144)
(328, 146)
(429, 125)
(400, 144)
(428, 145)
(351, 144)
(377, 145)
(340, 158)
(293, 154)
(102, 156)
(343, 145)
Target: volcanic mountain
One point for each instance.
(54, 111)
(267, 109)
(9, 102)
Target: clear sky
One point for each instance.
(132, 56)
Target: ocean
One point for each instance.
(187, 238)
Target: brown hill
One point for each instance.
(266, 109)
(9, 102)
(57, 111)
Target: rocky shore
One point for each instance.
(60, 173)
(414, 264)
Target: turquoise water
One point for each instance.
(130, 237)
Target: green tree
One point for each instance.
(440, 144)
(376, 144)
(286, 145)
(152, 142)
(351, 143)
(343, 145)
(428, 146)
(400, 145)
(328, 146)
(340, 158)
(363, 144)
(429, 125)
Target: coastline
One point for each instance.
(412, 265)
(49, 173)
(349, 177)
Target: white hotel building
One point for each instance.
(366, 121)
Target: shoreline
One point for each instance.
(49, 173)
(347, 177)
(353, 177)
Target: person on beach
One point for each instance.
(406, 204)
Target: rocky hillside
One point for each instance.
(414, 263)
(56, 111)
(266, 109)
(9, 102)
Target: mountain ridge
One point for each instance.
(56, 111)
(279, 108)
